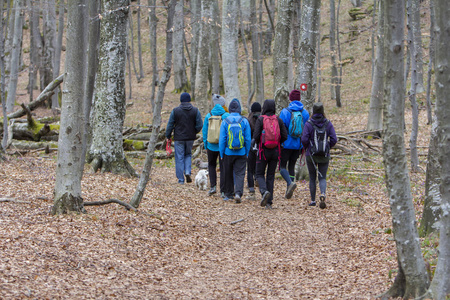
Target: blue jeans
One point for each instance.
(183, 154)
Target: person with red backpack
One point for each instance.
(294, 118)
(269, 134)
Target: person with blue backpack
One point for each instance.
(211, 135)
(294, 118)
(318, 138)
(269, 134)
(234, 145)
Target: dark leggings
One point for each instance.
(321, 172)
(251, 167)
(212, 164)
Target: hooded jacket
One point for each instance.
(268, 110)
(285, 115)
(235, 115)
(185, 121)
(308, 132)
(217, 110)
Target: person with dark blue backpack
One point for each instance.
(318, 138)
(294, 118)
(234, 145)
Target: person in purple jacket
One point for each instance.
(318, 163)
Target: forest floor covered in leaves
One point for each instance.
(183, 244)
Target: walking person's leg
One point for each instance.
(239, 165)
(251, 165)
(228, 172)
(212, 163)
(270, 176)
(322, 174)
(179, 160)
(222, 176)
(288, 155)
(261, 163)
(312, 179)
(187, 160)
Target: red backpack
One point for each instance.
(271, 135)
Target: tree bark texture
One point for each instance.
(139, 37)
(431, 62)
(258, 76)
(308, 51)
(418, 47)
(335, 92)
(36, 46)
(153, 22)
(179, 65)
(441, 281)
(203, 58)
(375, 119)
(432, 205)
(49, 41)
(58, 47)
(281, 54)
(412, 279)
(217, 86)
(2, 83)
(196, 11)
(108, 110)
(156, 125)
(230, 59)
(15, 56)
(410, 7)
(70, 163)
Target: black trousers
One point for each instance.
(268, 158)
(251, 168)
(234, 169)
(288, 159)
(212, 165)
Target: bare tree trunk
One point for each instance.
(195, 37)
(15, 52)
(2, 83)
(203, 58)
(179, 60)
(258, 76)
(49, 41)
(34, 50)
(156, 124)
(375, 119)
(334, 72)
(281, 54)
(432, 205)
(216, 82)
(338, 40)
(139, 37)
(130, 39)
(94, 37)
(69, 170)
(230, 11)
(418, 48)
(412, 278)
(412, 91)
(308, 48)
(108, 111)
(153, 22)
(430, 63)
(58, 49)
(440, 286)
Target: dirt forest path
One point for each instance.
(194, 252)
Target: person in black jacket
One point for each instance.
(318, 164)
(185, 121)
(267, 157)
(255, 112)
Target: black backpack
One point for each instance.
(319, 143)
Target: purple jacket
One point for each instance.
(308, 131)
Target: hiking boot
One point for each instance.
(237, 198)
(322, 203)
(251, 190)
(188, 178)
(226, 198)
(265, 198)
(269, 206)
(212, 191)
(222, 195)
(313, 203)
(290, 190)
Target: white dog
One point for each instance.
(201, 179)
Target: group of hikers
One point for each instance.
(257, 143)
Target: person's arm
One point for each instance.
(170, 125)
(306, 134)
(305, 115)
(283, 131)
(332, 134)
(198, 122)
(258, 130)
(247, 136)
(205, 130)
(223, 138)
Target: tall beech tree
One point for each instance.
(70, 164)
(412, 278)
(108, 109)
(179, 60)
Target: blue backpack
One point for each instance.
(296, 123)
(235, 136)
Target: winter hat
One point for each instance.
(318, 108)
(294, 95)
(235, 106)
(185, 97)
(217, 99)
(256, 107)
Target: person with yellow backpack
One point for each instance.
(211, 134)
